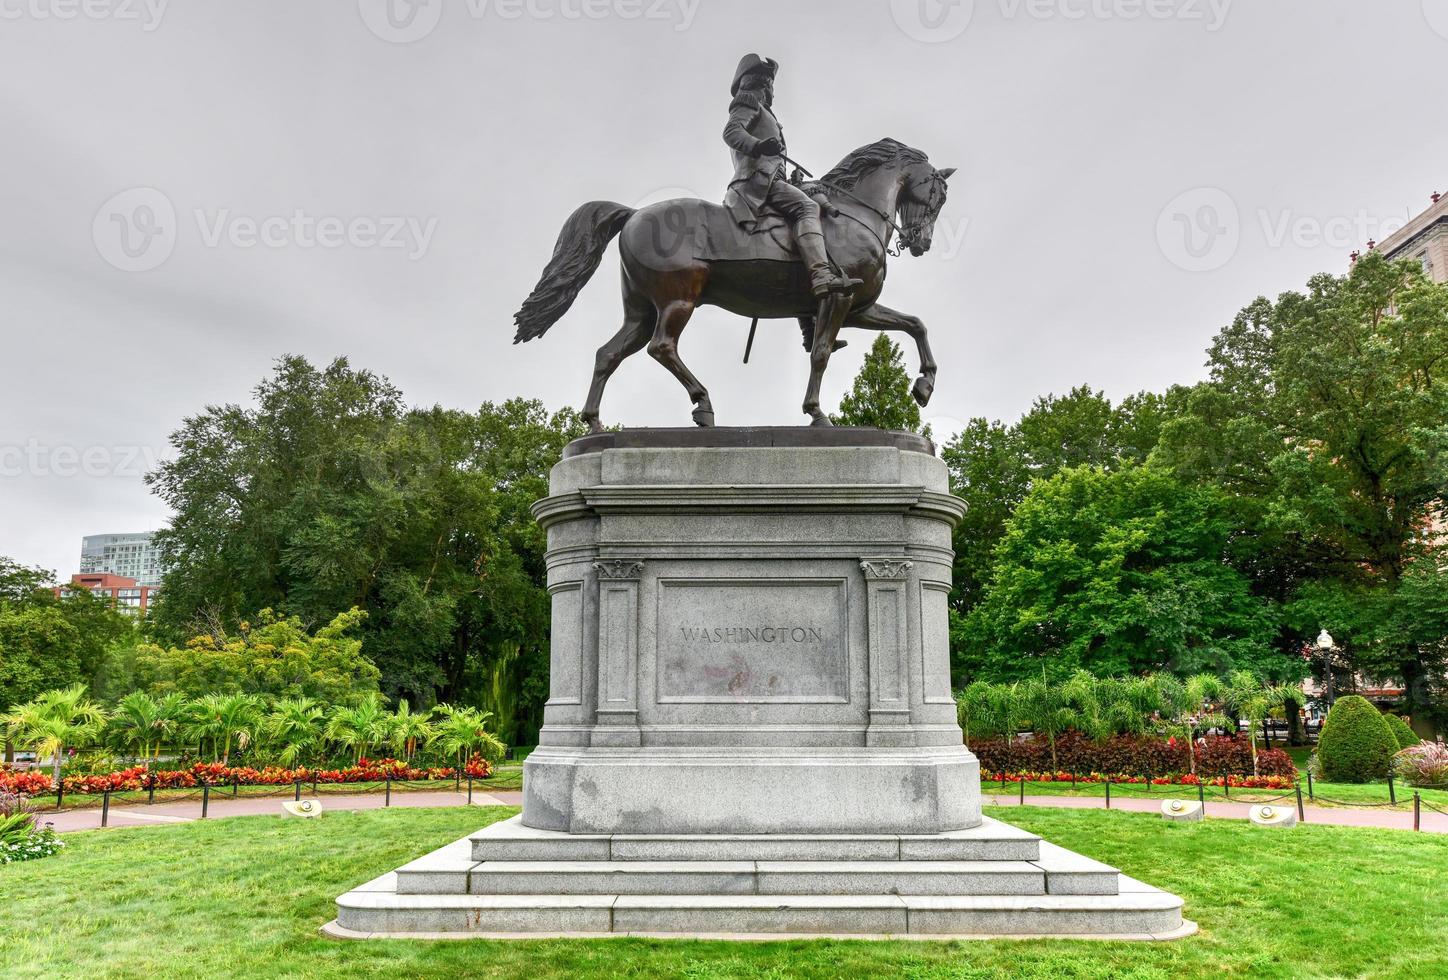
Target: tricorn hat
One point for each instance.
(752, 64)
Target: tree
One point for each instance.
(880, 397)
(275, 657)
(1115, 573)
(225, 718)
(1326, 418)
(55, 721)
(135, 724)
(1356, 745)
(329, 494)
(1246, 697)
(1050, 711)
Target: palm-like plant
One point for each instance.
(55, 721)
(173, 713)
(1049, 710)
(359, 728)
(1182, 709)
(228, 718)
(1246, 696)
(407, 730)
(463, 731)
(972, 709)
(295, 724)
(136, 724)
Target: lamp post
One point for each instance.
(1326, 645)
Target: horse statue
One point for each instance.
(677, 255)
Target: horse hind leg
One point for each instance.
(638, 326)
(664, 347)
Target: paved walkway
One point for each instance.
(1342, 817)
(138, 815)
(134, 815)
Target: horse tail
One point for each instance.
(580, 248)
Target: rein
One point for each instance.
(899, 232)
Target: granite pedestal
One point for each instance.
(750, 727)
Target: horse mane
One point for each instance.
(869, 158)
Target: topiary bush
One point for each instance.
(1356, 745)
(1404, 735)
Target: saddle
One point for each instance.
(719, 236)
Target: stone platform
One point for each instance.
(509, 880)
(750, 726)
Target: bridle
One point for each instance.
(904, 237)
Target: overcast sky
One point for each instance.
(1131, 172)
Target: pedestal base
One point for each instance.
(731, 790)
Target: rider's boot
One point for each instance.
(822, 279)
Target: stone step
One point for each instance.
(509, 840)
(376, 911)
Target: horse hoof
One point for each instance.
(922, 390)
(822, 420)
(704, 419)
(594, 426)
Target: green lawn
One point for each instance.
(244, 897)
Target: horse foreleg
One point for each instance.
(638, 324)
(879, 317)
(827, 327)
(664, 348)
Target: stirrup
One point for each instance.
(835, 284)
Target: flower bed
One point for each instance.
(137, 778)
(37, 844)
(1216, 756)
(1232, 782)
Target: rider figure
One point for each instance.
(759, 184)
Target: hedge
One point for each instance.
(1137, 755)
(1356, 745)
(1402, 732)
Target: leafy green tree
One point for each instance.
(55, 721)
(407, 730)
(880, 397)
(462, 731)
(1115, 573)
(1326, 418)
(227, 718)
(296, 727)
(329, 493)
(135, 724)
(275, 657)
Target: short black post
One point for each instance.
(296, 790)
(470, 788)
(387, 800)
(1023, 791)
(235, 784)
(105, 807)
(1301, 812)
(1392, 791)
(1227, 787)
(1417, 810)
(1202, 796)
(1310, 795)
(458, 779)
(150, 789)
(314, 784)
(1108, 792)
(205, 799)
(59, 791)
(1003, 781)
(1073, 778)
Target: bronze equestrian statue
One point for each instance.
(777, 249)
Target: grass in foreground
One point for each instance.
(244, 897)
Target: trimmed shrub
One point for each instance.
(1134, 755)
(1404, 735)
(1356, 745)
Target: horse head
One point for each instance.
(922, 195)
(896, 182)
